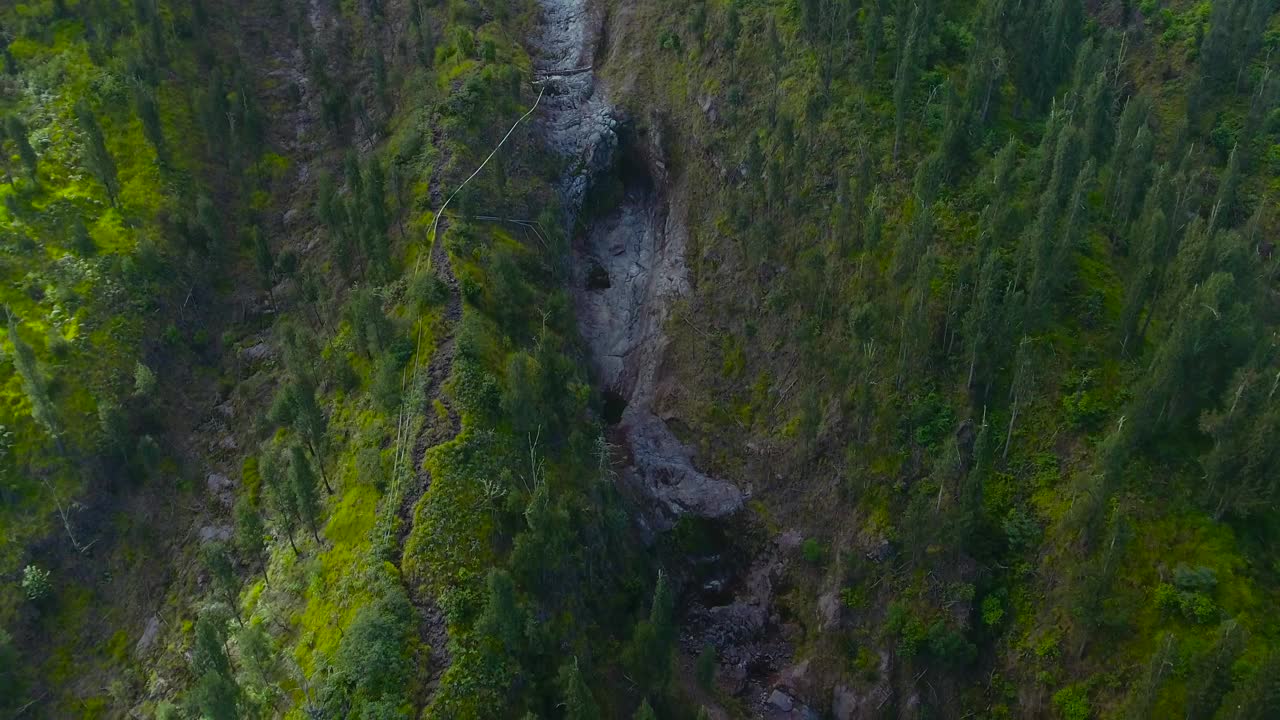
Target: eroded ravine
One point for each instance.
(628, 267)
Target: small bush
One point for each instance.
(35, 583)
(992, 611)
(1072, 703)
(428, 289)
(932, 419)
(813, 551)
(386, 383)
(1021, 530)
(1195, 606)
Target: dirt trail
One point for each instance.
(628, 268)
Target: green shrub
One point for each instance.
(1072, 703)
(813, 551)
(1021, 530)
(35, 583)
(911, 632)
(1084, 408)
(1195, 606)
(428, 289)
(992, 611)
(932, 419)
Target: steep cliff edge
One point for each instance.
(628, 266)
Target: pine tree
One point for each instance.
(249, 122)
(209, 653)
(33, 382)
(645, 712)
(280, 496)
(81, 243)
(17, 132)
(1060, 33)
(971, 485)
(649, 654)
(144, 103)
(216, 559)
(259, 658)
(263, 260)
(1131, 181)
(297, 407)
(1036, 248)
(873, 226)
(209, 220)
(1189, 367)
(251, 535)
(1025, 364)
(1096, 108)
(1053, 264)
(577, 701)
(1151, 242)
(302, 481)
(216, 693)
(914, 326)
(1210, 678)
(1257, 696)
(1224, 205)
(994, 223)
(872, 36)
(913, 240)
(502, 621)
(697, 23)
(99, 159)
(1095, 578)
(217, 697)
(732, 28)
(1242, 469)
(375, 196)
(1142, 696)
(1132, 118)
(380, 88)
(903, 81)
(987, 64)
(984, 320)
(863, 184)
(955, 128)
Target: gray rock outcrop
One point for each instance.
(628, 268)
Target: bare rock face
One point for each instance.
(149, 635)
(214, 533)
(850, 704)
(829, 610)
(663, 468)
(257, 353)
(628, 268)
(222, 488)
(781, 701)
(844, 703)
(577, 123)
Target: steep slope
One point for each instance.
(560, 358)
(922, 240)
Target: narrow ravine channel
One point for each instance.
(628, 265)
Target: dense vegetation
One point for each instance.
(1005, 272)
(150, 196)
(990, 285)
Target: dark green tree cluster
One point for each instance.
(381, 636)
(358, 222)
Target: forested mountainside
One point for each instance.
(580, 359)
